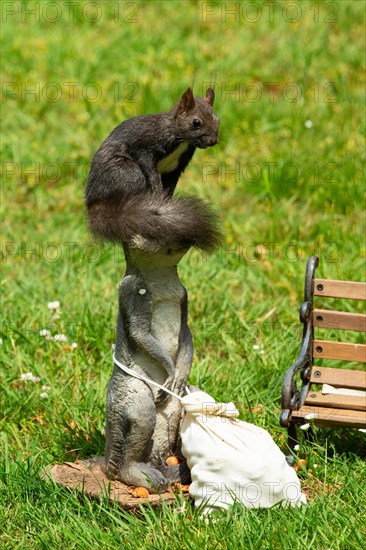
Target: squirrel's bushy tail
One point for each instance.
(160, 219)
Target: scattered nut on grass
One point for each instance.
(301, 464)
(139, 492)
(173, 460)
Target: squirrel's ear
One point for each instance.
(186, 102)
(210, 96)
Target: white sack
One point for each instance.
(233, 460)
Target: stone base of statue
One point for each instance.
(87, 477)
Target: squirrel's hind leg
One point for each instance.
(131, 420)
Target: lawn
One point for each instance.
(287, 180)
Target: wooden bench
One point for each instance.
(334, 397)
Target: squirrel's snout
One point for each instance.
(208, 142)
(213, 140)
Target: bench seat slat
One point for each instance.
(339, 350)
(336, 401)
(340, 289)
(340, 378)
(330, 417)
(339, 320)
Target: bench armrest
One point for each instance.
(292, 397)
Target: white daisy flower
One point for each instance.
(60, 338)
(305, 427)
(53, 305)
(29, 376)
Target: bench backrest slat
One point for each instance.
(340, 378)
(339, 350)
(340, 320)
(340, 289)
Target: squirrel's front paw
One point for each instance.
(179, 387)
(162, 395)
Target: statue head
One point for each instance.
(143, 253)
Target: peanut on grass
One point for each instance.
(139, 492)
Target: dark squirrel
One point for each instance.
(134, 173)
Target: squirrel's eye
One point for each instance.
(196, 123)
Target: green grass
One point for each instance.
(299, 191)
